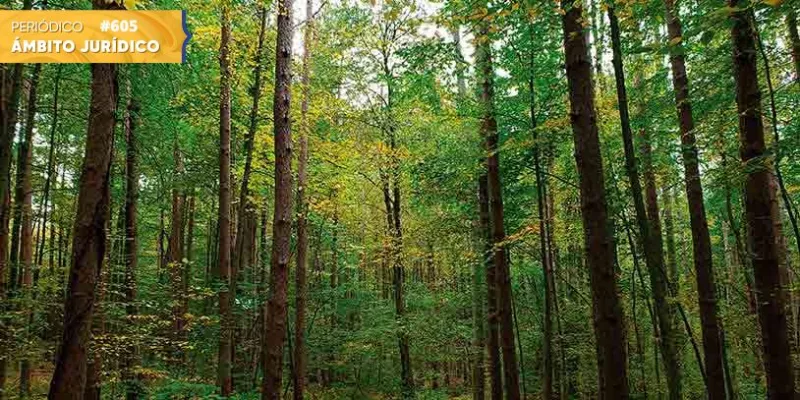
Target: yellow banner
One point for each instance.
(93, 36)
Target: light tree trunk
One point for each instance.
(302, 212)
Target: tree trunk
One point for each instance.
(282, 219)
(131, 356)
(499, 253)
(493, 342)
(89, 238)
(609, 321)
(24, 191)
(759, 203)
(649, 229)
(302, 211)
(223, 272)
(794, 38)
(175, 247)
(701, 239)
(51, 172)
(544, 247)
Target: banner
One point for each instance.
(93, 36)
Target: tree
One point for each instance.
(275, 332)
(302, 212)
(89, 238)
(649, 230)
(223, 271)
(759, 202)
(131, 249)
(598, 240)
(499, 257)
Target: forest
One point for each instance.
(409, 199)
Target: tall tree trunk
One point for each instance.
(89, 238)
(794, 39)
(493, 341)
(499, 252)
(701, 239)
(649, 230)
(609, 321)
(223, 271)
(131, 356)
(282, 220)
(51, 171)
(759, 203)
(26, 212)
(544, 247)
(175, 246)
(302, 211)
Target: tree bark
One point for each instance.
(175, 247)
(701, 239)
(493, 340)
(89, 237)
(24, 191)
(544, 247)
(759, 201)
(282, 219)
(494, 189)
(609, 321)
(302, 211)
(649, 228)
(223, 272)
(794, 39)
(130, 356)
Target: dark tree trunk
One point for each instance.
(24, 190)
(131, 356)
(544, 247)
(275, 332)
(302, 211)
(649, 230)
(479, 272)
(794, 38)
(89, 237)
(493, 341)
(494, 188)
(759, 201)
(223, 271)
(51, 172)
(701, 239)
(609, 320)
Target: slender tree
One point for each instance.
(24, 191)
(302, 211)
(282, 218)
(130, 356)
(609, 321)
(223, 271)
(494, 189)
(759, 202)
(701, 239)
(649, 230)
